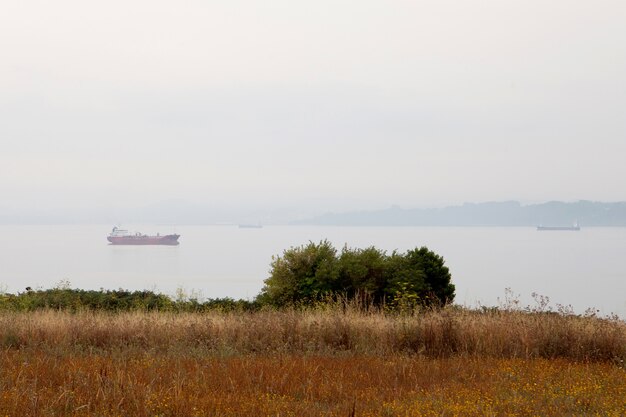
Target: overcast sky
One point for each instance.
(341, 104)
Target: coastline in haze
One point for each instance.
(179, 212)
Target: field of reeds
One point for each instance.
(333, 361)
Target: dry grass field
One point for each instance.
(330, 362)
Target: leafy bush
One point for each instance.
(314, 272)
(64, 298)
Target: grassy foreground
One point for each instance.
(334, 361)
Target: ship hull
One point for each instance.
(144, 240)
(559, 228)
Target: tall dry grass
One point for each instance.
(33, 383)
(437, 334)
(329, 361)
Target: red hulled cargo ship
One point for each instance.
(122, 237)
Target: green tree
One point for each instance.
(405, 281)
(362, 273)
(437, 277)
(314, 272)
(303, 274)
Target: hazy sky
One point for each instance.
(341, 104)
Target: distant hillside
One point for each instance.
(509, 213)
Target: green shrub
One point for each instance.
(113, 300)
(314, 272)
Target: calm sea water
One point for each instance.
(582, 269)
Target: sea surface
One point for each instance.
(489, 265)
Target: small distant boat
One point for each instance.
(250, 226)
(123, 237)
(574, 228)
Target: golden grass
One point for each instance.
(445, 333)
(35, 383)
(308, 363)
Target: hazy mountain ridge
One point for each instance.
(508, 213)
